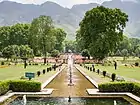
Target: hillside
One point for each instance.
(68, 19)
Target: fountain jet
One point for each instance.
(115, 103)
(24, 100)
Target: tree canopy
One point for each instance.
(101, 30)
(41, 36)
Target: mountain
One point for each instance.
(68, 19)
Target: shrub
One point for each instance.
(38, 73)
(104, 73)
(47, 69)
(136, 89)
(4, 87)
(116, 87)
(25, 86)
(50, 69)
(113, 76)
(93, 69)
(98, 71)
(44, 71)
(136, 64)
(90, 68)
(2, 63)
(36, 64)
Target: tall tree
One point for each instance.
(60, 35)
(102, 30)
(41, 35)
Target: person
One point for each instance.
(115, 65)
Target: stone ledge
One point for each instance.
(51, 78)
(87, 77)
(96, 92)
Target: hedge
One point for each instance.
(25, 86)
(136, 89)
(120, 87)
(4, 87)
(116, 87)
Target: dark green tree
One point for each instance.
(60, 37)
(85, 53)
(102, 30)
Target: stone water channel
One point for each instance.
(61, 88)
(60, 83)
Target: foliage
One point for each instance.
(60, 37)
(136, 64)
(4, 87)
(38, 73)
(104, 73)
(98, 71)
(124, 53)
(15, 51)
(116, 87)
(113, 76)
(85, 53)
(101, 30)
(55, 53)
(25, 86)
(2, 63)
(44, 71)
(70, 45)
(136, 89)
(132, 45)
(41, 36)
(14, 35)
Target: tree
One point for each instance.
(70, 45)
(102, 30)
(137, 51)
(85, 53)
(4, 36)
(55, 53)
(124, 53)
(8, 52)
(60, 37)
(41, 35)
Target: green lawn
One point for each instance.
(15, 72)
(129, 72)
(97, 78)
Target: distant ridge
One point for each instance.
(68, 19)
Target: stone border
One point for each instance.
(87, 77)
(96, 92)
(51, 78)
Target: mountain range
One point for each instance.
(68, 19)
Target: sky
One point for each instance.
(64, 3)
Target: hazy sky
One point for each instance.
(64, 3)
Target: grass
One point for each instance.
(15, 72)
(94, 75)
(125, 71)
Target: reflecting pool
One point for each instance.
(74, 101)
